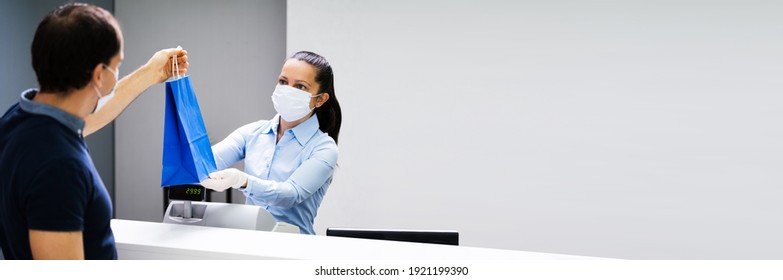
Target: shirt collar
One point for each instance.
(27, 104)
(273, 124)
(302, 132)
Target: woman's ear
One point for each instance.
(321, 99)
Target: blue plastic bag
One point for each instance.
(187, 153)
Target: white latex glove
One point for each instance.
(225, 179)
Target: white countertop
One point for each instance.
(148, 240)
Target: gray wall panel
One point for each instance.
(236, 49)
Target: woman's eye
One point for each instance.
(282, 82)
(302, 87)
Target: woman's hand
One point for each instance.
(225, 179)
(159, 66)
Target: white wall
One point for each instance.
(235, 49)
(628, 129)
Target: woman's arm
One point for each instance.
(302, 184)
(232, 149)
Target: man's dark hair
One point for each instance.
(69, 42)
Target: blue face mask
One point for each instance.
(102, 100)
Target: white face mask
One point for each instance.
(291, 103)
(102, 100)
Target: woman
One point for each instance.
(289, 160)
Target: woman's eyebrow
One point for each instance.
(303, 81)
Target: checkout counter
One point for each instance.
(164, 241)
(203, 230)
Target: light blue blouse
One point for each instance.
(289, 178)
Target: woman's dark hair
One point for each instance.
(69, 42)
(329, 114)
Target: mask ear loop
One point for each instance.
(316, 101)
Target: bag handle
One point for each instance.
(174, 68)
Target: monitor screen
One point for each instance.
(445, 237)
(191, 192)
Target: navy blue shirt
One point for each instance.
(48, 181)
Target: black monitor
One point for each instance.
(445, 237)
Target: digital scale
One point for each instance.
(187, 207)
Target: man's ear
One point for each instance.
(97, 75)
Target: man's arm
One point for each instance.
(156, 70)
(56, 245)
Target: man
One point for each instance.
(53, 204)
